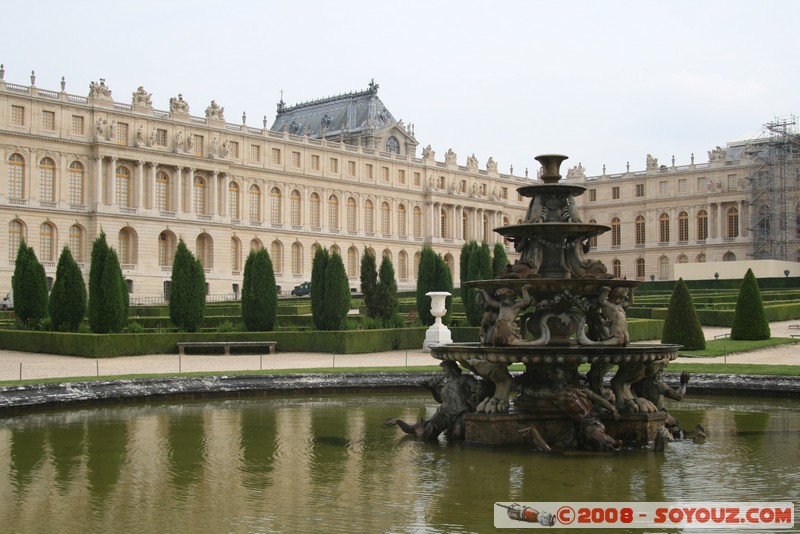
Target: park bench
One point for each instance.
(183, 345)
(722, 335)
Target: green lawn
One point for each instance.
(723, 346)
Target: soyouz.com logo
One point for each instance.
(607, 515)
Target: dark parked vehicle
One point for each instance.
(302, 290)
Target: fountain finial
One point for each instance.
(551, 164)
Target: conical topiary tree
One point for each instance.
(318, 267)
(187, 294)
(369, 283)
(29, 285)
(443, 281)
(100, 250)
(337, 294)
(480, 268)
(67, 304)
(749, 320)
(426, 273)
(499, 259)
(112, 308)
(259, 294)
(386, 291)
(681, 326)
(467, 293)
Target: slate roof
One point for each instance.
(355, 113)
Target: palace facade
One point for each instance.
(340, 173)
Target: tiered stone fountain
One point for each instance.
(552, 310)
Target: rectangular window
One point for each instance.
(48, 120)
(504, 193)
(615, 192)
(18, 115)
(314, 162)
(683, 186)
(463, 186)
(732, 185)
(702, 185)
(417, 178)
(385, 174)
(161, 137)
(255, 153)
(295, 159)
(122, 133)
(198, 145)
(233, 149)
(334, 164)
(77, 125)
(351, 168)
(663, 187)
(368, 171)
(639, 190)
(592, 195)
(401, 176)
(276, 156)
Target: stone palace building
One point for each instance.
(338, 172)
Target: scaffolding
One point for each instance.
(774, 191)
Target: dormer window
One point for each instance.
(393, 145)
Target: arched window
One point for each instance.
(401, 221)
(166, 248)
(297, 214)
(417, 222)
(729, 256)
(683, 227)
(16, 178)
(199, 195)
(448, 259)
(640, 268)
(47, 239)
(663, 228)
(683, 259)
(16, 233)
(276, 251)
(616, 267)
(663, 268)
(702, 225)
(336, 250)
(256, 244)
(76, 173)
(255, 204)
(123, 177)
(386, 254)
(352, 262)
(204, 251)
(47, 181)
(76, 242)
(275, 206)
(393, 145)
(233, 201)
(297, 258)
(616, 235)
(127, 247)
(236, 256)
(593, 239)
(162, 191)
(733, 222)
(333, 212)
(369, 217)
(701, 258)
(315, 211)
(417, 257)
(402, 265)
(639, 226)
(351, 214)
(386, 218)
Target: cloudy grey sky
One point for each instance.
(605, 82)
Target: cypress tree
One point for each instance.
(187, 297)
(426, 273)
(318, 267)
(369, 283)
(259, 294)
(100, 250)
(749, 319)
(29, 285)
(337, 293)
(467, 294)
(112, 309)
(479, 268)
(67, 304)
(387, 291)
(682, 326)
(499, 260)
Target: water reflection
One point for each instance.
(279, 464)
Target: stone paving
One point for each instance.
(26, 365)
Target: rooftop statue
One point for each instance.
(142, 98)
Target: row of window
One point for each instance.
(640, 266)
(703, 185)
(664, 224)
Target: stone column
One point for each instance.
(99, 190)
(190, 191)
(214, 188)
(178, 188)
(153, 186)
(140, 184)
(113, 182)
(742, 218)
(224, 206)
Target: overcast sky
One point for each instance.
(605, 82)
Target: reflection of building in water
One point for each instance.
(339, 172)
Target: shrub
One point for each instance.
(386, 305)
(480, 268)
(99, 252)
(425, 283)
(112, 309)
(135, 327)
(337, 294)
(682, 326)
(29, 286)
(187, 296)
(749, 320)
(369, 282)
(259, 294)
(499, 259)
(67, 304)
(467, 293)
(318, 267)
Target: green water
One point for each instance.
(311, 463)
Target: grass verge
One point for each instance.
(721, 347)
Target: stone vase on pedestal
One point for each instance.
(438, 333)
